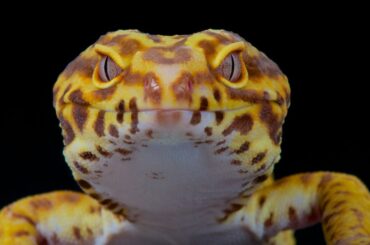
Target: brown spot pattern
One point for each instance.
(182, 87)
(259, 157)
(203, 104)
(208, 47)
(269, 221)
(152, 90)
(80, 114)
(261, 201)
(208, 131)
(260, 179)
(134, 116)
(149, 133)
(103, 152)
(81, 168)
(217, 95)
(250, 96)
(219, 151)
(87, 155)
(236, 162)
(120, 111)
(261, 65)
(293, 218)
(219, 115)
(105, 93)
(168, 55)
(41, 203)
(113, 131)
(77, 233)
(99, 124)
(69, 134)
(243, 148)
(76, 97)
(195, 118)
(84, 184)
(242, 124)
(232, 209)
(123, 151)
(84, 66)
(272, 122)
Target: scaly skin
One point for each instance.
(176, 152)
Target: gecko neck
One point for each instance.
(174, 186)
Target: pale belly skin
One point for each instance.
(173, 139)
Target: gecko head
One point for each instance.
(131, 88)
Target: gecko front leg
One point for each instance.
(339, 201)
(56, 218)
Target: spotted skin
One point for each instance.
(171, 152)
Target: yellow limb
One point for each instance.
(54, 218)
(340, 201)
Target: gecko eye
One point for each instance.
(231, 67)
(108, 69)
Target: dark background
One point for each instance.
(322, 50)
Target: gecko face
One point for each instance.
(133, 98)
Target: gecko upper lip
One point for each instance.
(172, 109)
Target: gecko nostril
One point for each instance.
(152, 89)
(189, 85)
(183, 87)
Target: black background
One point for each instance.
(322, 50)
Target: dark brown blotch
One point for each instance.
(232, 209)
(152, 89)
(81, 65)
(88, 155)
(80, 168)
(106, 202)
(208, 47)
(272, 121)
(258, 158)
(236, 162)
(243, 124)
(269, 221)
(99, 123)
(77, 233)
(113, 131)
(260, 65)
(203, 104)
(120, 111)
(208, 131)
(62, 99)
(195, 118)
(76, 97)
(105, 93)
(179, 53)
(80, 114)
(260, 179)
(261, 201)
(217, 95)
(103, 151)
(243, 148)
(183, 87)
(123, 151)
(84, 184)
(221, 150)
(293, 218)
(219, 116)
(149, 133)
(134, 116)
(41, 203)
(68, 133)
